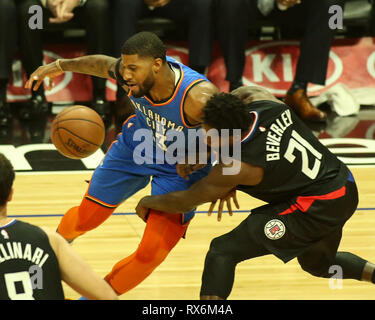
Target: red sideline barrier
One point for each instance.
(269, 64)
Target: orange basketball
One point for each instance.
(77, 132)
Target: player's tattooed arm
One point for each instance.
(94, 65)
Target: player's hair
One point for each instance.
(145, 44)
(6, 179)
(226, 111)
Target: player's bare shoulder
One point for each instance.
(197, 98)
(252, 93)
(201, 93)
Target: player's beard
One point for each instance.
(145, 87)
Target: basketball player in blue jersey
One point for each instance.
(167, 96)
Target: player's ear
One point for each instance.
(157, 65)
(10, 195)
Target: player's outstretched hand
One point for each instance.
(227, 199)
(142, 211)
(50, 70)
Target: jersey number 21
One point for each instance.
(299, 143)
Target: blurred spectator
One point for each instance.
(94, 16)
(8, 39)
(234, 18)
(197, 14)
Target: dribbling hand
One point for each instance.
(50, 70)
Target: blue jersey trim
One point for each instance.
(351, 178)
(9, 224)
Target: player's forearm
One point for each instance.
(174, 202)
(94, 65)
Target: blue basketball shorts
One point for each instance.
(118, 177)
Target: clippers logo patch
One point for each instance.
(274, 229)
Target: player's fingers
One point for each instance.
(60, 10)
(220, 210)
(38, 83)
(181, 171)
(185, 174)
(235, 200)
(29, 83)
(229, 206)
(68, 16)
(55, 20)
(51, 84)
(159, 3)
(212, 206)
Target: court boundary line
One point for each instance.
(133, 213)
(354, 166)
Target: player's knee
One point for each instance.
(145, 256)
(150, 255)
(217, 245)
(317, 267)
(148, 261)
(218, 252)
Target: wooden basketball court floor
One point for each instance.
(42, 198)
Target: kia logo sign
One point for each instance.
(352, 151)
(272, 66)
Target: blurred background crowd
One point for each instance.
(106, 24)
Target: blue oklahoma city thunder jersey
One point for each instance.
(164, 116)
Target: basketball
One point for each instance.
(77, 132)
